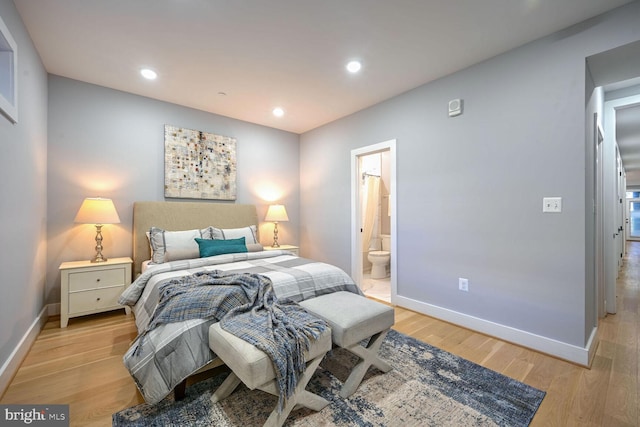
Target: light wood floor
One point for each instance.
(82, 365)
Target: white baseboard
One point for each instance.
(11, 365)
(569, 352)
(592, 345)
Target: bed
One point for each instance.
(170, 353)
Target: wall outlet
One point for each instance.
(552, 204)
(463, 284)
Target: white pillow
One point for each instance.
(174, 245)
(249, 233)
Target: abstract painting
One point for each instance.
(199, 165)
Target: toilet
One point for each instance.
(380, 259)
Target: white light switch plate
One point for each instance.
(552, 204)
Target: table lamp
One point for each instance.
(97, 211)
(275, 214)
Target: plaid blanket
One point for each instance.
(247, 307)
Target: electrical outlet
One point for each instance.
(552, 204)
(463, 284)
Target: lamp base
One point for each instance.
(98, 257)
(275, 236)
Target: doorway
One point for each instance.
(373, 220)
(633, 216)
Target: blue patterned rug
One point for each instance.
(427, 387)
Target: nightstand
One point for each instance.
(290, 248)
(88, 287)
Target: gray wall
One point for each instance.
(23, 209)
(470, 188)
(108, 143)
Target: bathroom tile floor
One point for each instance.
(376, 288)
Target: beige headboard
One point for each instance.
(178, 216)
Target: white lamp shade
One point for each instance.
(97, 211)
(276, 213)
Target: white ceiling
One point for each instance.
(628, 138)
(288, 53)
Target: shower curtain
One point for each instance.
(370, 211)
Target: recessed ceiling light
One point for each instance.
(354, 66)
(278, 112)
(148, 74)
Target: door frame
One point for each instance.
(601, 294)
(356, 212)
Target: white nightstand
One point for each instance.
(290, 248)
(88, 287)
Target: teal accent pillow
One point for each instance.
(210, 247)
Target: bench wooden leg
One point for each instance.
(226, 388)
(369, 357)
(300, 396)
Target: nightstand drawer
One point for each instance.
(98, 299)
(85, 280)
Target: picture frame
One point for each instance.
(8, 74)
(199, 165)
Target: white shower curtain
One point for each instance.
(370, 211)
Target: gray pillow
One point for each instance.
(249, 233)
(175, 245)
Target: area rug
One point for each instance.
(427, 387)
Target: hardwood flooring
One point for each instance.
(82, 364)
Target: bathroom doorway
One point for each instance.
(373, 220)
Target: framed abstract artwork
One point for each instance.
(199, 165)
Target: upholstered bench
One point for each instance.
(354, 318)
(254, 368)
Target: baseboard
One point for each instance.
(592, 345)
(10, 367)
(569, 352)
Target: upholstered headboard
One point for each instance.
(178, 216)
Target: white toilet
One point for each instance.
(380, 259)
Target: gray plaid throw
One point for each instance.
(247, 307)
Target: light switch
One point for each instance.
(552, 204)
